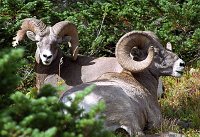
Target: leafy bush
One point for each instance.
(102, 23)
(42, 116)
(8, 69)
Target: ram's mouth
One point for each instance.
(46, 62)
(180, 72)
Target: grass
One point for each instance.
(181, 104)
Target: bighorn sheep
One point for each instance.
(130, 96)
(52, 66)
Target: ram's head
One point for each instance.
(140, 50)
(48, 38)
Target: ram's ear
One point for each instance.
(169, 46)
(65, 39)
(31, 35)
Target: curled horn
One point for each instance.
(141, 40)
(65, 28)
(29, 24)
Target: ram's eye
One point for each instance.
(164, 63)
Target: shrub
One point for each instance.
(9, 63)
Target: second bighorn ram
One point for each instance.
(131, 96)
(52, 66)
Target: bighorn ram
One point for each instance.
(130, 96)
(52, 66)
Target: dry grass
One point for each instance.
(181, 104)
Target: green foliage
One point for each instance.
(102, 23)
(9, 63)
(43, 117)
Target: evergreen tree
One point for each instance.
(9, 64)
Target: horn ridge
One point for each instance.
(29, 24)
(34, 25)
(67, 28)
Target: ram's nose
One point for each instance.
(182, 64)
(47, 56)
(178, 68)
